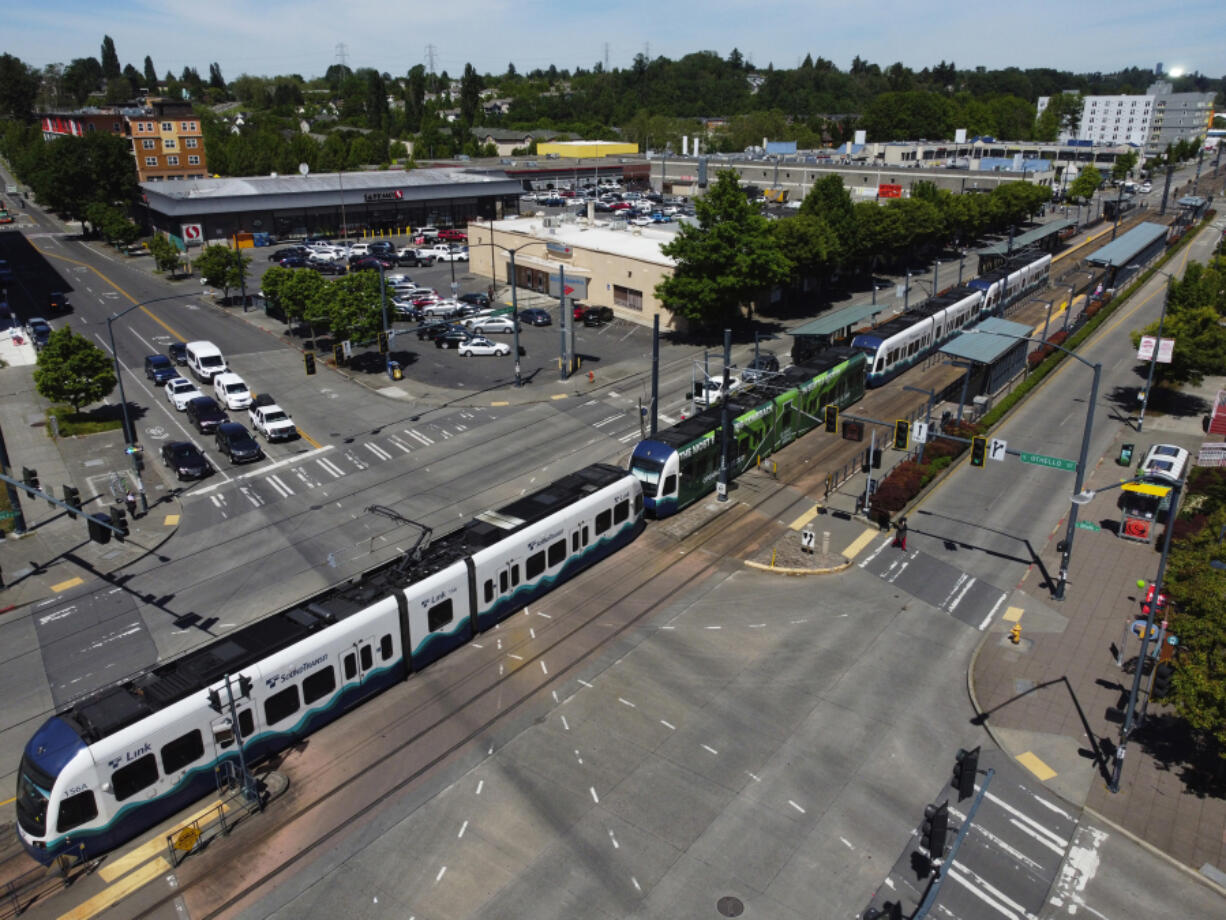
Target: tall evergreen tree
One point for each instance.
(151, 75)
(110, 60)
(215, 79)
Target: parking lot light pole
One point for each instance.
(129, 436)
(519, 382)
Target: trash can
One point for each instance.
(394, 371)
(1125, 457)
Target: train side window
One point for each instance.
(557, 553)
(489, 590)
(385, 647)
(439, 615)
(281, 705)
(183, 750)
(585, 536)
(604, 520)
(534, 565)
(503, 582)
(670, 484)
(574, 542)
(880, 365)
(246, 723)
(365, 656)
(131, 779)
(515, 575)
(318, 685)
(351, 666)
(76, 810)
(621, 511)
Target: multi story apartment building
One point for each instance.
(1152, 121)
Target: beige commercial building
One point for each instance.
(601, 262)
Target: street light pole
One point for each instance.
(1153, 359)
(514, 299)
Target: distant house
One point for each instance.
(506, 142)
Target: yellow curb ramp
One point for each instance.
(783, 570)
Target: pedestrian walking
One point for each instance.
(900, 536)
(130, 501)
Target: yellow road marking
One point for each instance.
(8, 801)
(65, 585)
(558, 396)
(171, 520)
(1012, 615)
(310, 440)
(1036, 766)
(861, 541)
(138, 855)
(501, 403)
(804, 518)
(115, 893)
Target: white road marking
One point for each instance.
(399, 444)
(595, 797)
(356, 461)
(753, 776)
(543, 668)
(606, 420)
(281, 487)
(991, 613)
(378, 451)
(251, 496)
(710, 750)
(584, 682)
(577, 756)
(480, 786)
(463, 828)
(847, 843)
(565, 724)
(545, 615)
(990, 895)
(441, 872)
(417, 435)
(331, 468)
(616, 845)
(797, 807)
(622, 699)
(668, 725)
(1057, 842)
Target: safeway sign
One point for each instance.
(193, 234)
(1145, 352)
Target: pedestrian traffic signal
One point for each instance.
(965, 767)
(934, 830)
(98, 531)
(72, 498)
(308, 360)
(1162, 680)
(30, 478)
(902, 434)
(383, 343)
(979, 451)
(338, 354)
(832, 419)
(119, 520)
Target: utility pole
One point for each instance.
(725, 421)
(655, 374)
(1166, 189)
(19, 520)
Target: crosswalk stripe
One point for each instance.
(281, 487)
(378, 451)
(356, 460)
(330, 467)
(251, 496)
(399, 443)
(414, 433)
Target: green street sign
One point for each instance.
(5, 515)
(1088, 525)
(1053, 463)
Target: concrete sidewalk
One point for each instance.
(1056, 700)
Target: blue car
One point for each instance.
(159, 369)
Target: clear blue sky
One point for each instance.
(267, 37)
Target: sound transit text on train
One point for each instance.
(295, 671)
(545, 540)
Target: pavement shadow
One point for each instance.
(1029, 557)
(1166, 738)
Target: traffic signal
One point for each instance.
(98, 532)
(934, 830)
(72, 498)
(215, 701)
(965, 767)
(382, 343)
(244, 685)
(1162, 680)
(119, 520)
(30, 478)
(902, 434)
(308, 361)
(338, 354)
(832, 419)
(979, 451)
(876, 458)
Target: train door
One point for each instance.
(580, 535)
(358, 662)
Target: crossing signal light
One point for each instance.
(966, 765)
(902, 434)
(979, 451)
(338, 354)
(98, 531)
(244, 685)
(72, 498)
(832, 419)
(934, 830)
(382, 343)
(119, 520)
(1162, 680)
(308, 361)
(30, 478)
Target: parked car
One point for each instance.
(431, 331)
(477, 299)
(177, 352)
(180, 391)
(40, 331)
(535, 316)
(236, 442)
(272, 422)
(410, 255)
(300, 252)
(597, 316)
(57, 302)
(453, 236)
(328, 268)
(454, 337)
(405, 309)
(374, 262)
(487, 324)
(205, 414)
(159, 369)
(710, 391)
(298, 262)
(185, 459)
(761, 367)
(453, 255)
(480, 346)
(231, 391)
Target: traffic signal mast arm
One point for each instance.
(73, 510)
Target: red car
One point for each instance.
(620, 206)
(453, 236)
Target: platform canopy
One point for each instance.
(1129, 246)
(1029, 238)
(841, 319)
(986, 343)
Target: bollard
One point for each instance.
(1015, 634)
(825, 542)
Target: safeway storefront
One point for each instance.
(327, 204)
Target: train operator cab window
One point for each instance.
(439, 615)
(281, 705)
(638, 503)
(318, 685)
(131, 779)
(670, 484)
(604, 521)
(385, 647)
(182, 751)
(76, 810)
(557, 553)
(621, 511)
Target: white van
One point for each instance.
(231, 391)
(206, 360)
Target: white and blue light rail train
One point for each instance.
(904, 341)
(126, 757)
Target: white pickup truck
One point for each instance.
(271, 420)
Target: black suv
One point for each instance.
(477, 300)
(432, 331)
(597, 316)
(205, 414)
(452, 338)
(178, 353)
(57, 302)
(236, 442)
(760, 368)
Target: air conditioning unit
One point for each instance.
(552, 222)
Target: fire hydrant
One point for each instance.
(1015, 634)
(591, 376)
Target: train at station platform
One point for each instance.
(122, 759)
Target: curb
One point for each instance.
(782, 570)
(1154, 851)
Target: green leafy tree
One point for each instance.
(301, 297)
(82, 77)
(223, 267)
(354, 306)
(71, 369)
(78, 171)
(1195, 317)
(470, 95)
(724, 260)
(18, 87)
(830, 200)
(1124, 164)
(165, 254)
(808, 243)
(1085, 185)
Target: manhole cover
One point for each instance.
(730, 907)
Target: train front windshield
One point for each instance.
(648, 472)
(33, 793)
